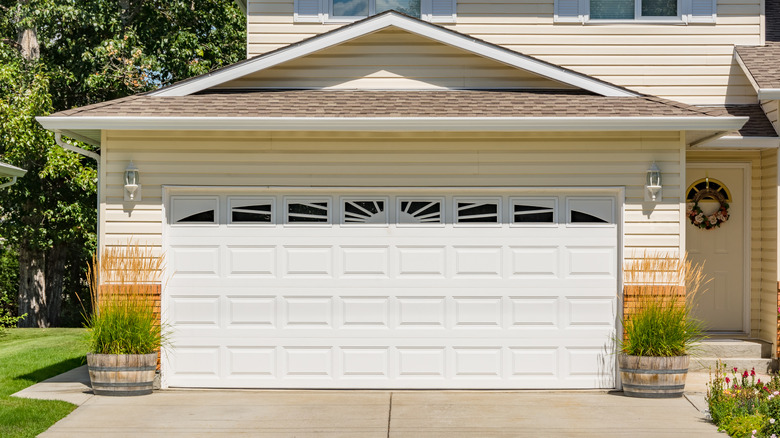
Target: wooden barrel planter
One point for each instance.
(653, 377)
(122, 374)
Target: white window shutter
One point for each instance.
(442, 11)
(567, 11)
(308, 11)
(702, 11)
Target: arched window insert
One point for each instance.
(707, 184)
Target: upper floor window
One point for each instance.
(364, 8)
(324, 11)
(605, 11)
(630, 9)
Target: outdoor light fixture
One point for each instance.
(653, 184)
(132, 186)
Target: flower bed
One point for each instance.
(742, 405)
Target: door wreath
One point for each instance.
(697, 216)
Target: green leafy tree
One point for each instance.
(60, 54)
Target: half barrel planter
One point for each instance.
(653, 377)
(122, 374)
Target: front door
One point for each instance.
(722, 250)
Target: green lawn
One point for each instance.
(28, 356)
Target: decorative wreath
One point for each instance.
(697, 216)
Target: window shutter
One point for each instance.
(443, 11)
(702, 11)
(308, 11)
(567, 11)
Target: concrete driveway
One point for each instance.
(366, 414)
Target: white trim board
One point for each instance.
(412, 25)
(736, 142)
(763, 93)
(419, 124)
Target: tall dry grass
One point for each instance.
(662, 290)
(124, 289)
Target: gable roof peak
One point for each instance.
(398, 20)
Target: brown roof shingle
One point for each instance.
(390, 103)
(763, 62)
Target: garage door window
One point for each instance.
(477, 211)
(308, 211)
(364, 211)
(533, 211)
(194, 210)
(420, 211)
(251, 211)
(591, 211)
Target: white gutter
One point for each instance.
(9, 171)
(735, 142)
(769, 93)
(723, 124)
(67, 146)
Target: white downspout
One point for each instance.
(67, 146)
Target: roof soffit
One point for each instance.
(403, 22)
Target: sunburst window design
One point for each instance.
(528, 213)
(420, 212)
(477, 212)
(307, 212)
(258, 213)
(365, 212)
(201, 217)
(707, 184)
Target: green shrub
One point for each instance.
(743, 426)
(123, 287)
(660, 323)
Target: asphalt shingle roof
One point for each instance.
(390, 103)
(763, 62)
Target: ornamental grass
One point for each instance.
(124, 290)
(661, 291)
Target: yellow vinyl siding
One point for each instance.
(393, 59)
(692, 64)
(772, 110)
(393, 159)
(763, 234)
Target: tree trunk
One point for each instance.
(32, 288)
(27, 39)
(55, 275)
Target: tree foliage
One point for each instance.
(61, 54)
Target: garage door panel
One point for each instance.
(364, 303)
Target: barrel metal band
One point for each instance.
(635, 371)
(631, 386)
(146, 368)
(121, 384)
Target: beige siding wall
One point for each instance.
(387, 159)
(772, 110)
(691, 63)
(394, 59)
(763, 234)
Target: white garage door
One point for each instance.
(491, 288)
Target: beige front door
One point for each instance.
(722, 307)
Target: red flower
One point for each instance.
(735, 369)
(745, 374)
(753, 372)
(728, 380)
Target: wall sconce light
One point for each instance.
(653, 191)
(132, 186)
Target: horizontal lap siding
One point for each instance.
(693, 63)
(769, 246)
(393, 59)
(387, 159)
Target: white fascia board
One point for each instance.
(719, 124)
(769, 94)
(378, 23)
(737, 142)
(7, 170)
